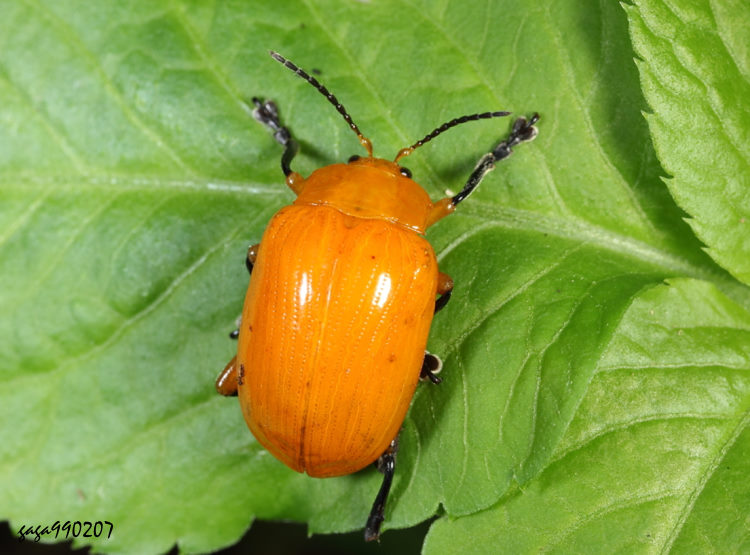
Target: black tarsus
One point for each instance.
(442, 301)
(387, 465)
(267, 113)
(431, 365)
(523, 130)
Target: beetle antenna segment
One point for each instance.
(452, 123)
(523, 131)
(325, 92)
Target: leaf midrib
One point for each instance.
(667, 263)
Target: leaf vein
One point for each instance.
(109, 86)
(51, 264)
(622, 503)
(676, 366)
(58, 136)
(703, 478)
(709, 100)
(631, 423)
(13, 227)
(131, 321)
(591, 129)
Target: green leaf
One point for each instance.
(133, 177)
(656, 457)
(695, 73)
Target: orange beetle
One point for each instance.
(342, 293)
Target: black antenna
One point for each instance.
(452, 123)
(325, 92)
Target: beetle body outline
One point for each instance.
(317, 401)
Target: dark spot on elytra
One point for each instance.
(240, 381)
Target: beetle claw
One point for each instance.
(431, 365)
(523, 131)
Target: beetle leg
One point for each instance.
(444, 289)
(227, 382)
(252, 255)
(523, 131)
(387, 465)
(267, 113)
(236, 332)
(443, 300)
(431, 365)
